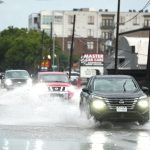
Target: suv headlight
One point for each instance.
(143, 102)
(8, 82)
(98, 104)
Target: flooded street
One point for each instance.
(31, 122)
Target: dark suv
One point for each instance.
(15, 78)
(114, 98)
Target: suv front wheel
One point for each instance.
(145, 119)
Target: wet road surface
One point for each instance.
(28, 122)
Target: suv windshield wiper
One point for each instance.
(124, 89)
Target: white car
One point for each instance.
(16, 78)
(74, 77)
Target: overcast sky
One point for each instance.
(15, 12)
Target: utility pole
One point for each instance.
(71, 50)
(53, 54)
(117, 34)
(42, 47)
(42, 43)
(51, 36)
(52, 48)
(51, 42)
(148, 64)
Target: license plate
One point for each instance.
(60, 95)
(121, 109)
(56, 95)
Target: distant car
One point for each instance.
(74, 77)
(114, 98)
(57, 84)
(15, 78)
(1, 76)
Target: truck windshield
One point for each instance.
(53, 78)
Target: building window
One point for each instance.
(35, 20)
(46, 20)
(90, 45)
(30, 21)
(90, 33)
(58, 19)
(107, 35)
(121, 61)
(70, 19)
(90, 19)
(68, 45)
(147, 22)
(122, 20)
(122, 30)
(70, 31)
(107, 23)
(136, 21)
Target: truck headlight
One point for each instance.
(98, 104)
(29, 82)
(143, 102)
(8, 82)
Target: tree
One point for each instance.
(21, 49)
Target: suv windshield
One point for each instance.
(53, 78)
(17, 74)
(115, 85)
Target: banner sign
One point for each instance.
(91, 59)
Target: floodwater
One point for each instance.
(23, 106)
(31, 121)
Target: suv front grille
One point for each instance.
(112, 103)
(60, 89)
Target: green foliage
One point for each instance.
(23, 49)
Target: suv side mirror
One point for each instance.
(145, 89)
(85, 90)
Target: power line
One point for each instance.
(146, 5)
(140, 11)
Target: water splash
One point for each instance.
(28, 107)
